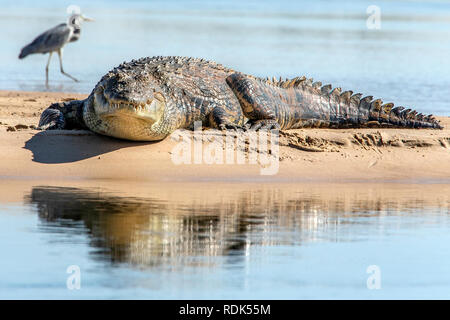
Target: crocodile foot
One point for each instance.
(265, 124)
(51, 119)
(230, 126)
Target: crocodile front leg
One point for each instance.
(63, 115)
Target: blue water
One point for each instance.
(405, 61)
(238, 242)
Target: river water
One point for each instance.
(225, 241)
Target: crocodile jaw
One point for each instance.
(124, 119)
(150, 110)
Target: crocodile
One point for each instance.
(149, 98)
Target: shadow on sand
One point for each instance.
(63, 146)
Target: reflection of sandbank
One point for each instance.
(189, 224)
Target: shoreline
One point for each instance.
(306, 155)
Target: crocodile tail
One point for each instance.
(301, 102)
(378, 114)
(345, 109)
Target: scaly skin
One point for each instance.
(149, 98)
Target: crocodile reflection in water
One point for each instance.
(155, 231)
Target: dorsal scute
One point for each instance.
(284, 83)
(367, 99)
(299, 81)
(405, 114)
(355, 100)
(317, 85)
(397, 110)
(345, 97)
(347, 94)
(376, 105)
(356, 97)
(326, 89)
(291, 83)
(387, 107)
(336, 92)
(308, 82)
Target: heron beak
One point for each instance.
(87, 18)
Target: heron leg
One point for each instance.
(60, 53)
(46, 69)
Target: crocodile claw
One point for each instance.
(265, 124)
(51, 119)
(230, 126)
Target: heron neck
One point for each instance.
(76, 33)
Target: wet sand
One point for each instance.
(307, 155)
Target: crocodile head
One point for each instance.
(127, 105)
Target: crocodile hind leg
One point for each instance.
(63, 115)
(261, 115)
(221, 119)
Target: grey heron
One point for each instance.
(54, 39)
